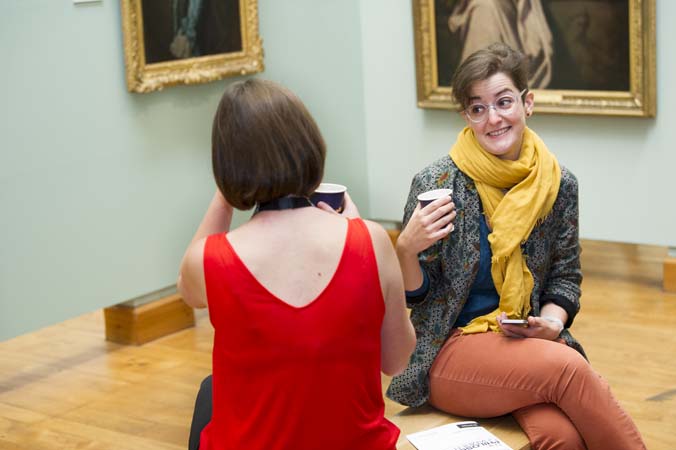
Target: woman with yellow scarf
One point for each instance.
(503, 246)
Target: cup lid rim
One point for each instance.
(330, 188)
(434, 193)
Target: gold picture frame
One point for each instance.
(166, 69)
(631, 93)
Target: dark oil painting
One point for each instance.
(180, 29)
(571, 44)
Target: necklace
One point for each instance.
(284, 203)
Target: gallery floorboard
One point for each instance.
(65, 387)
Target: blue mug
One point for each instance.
(330, 193)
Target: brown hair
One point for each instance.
(264, 144)
(483, 64)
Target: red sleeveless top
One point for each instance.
(302, 378)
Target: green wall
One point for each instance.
(625, 166)
(100, 189)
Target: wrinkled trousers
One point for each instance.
(549, 388)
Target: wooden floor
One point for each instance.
(64, 387)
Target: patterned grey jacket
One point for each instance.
(552, 254)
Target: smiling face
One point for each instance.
(500, 133)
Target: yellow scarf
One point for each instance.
(531, 184)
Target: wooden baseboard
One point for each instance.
(669, 275)
(136, 325)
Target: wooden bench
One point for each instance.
(410, 420)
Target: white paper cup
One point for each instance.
(428, 197)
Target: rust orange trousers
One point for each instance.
(549, 388)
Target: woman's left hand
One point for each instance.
(537, 328)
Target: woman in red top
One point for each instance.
(307, 304)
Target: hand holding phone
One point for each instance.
(523, 322)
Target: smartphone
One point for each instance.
(515, 322)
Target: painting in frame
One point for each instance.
(170, 42)
(588, 57)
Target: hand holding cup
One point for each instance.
(431, 220)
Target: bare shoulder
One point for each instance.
(194, 255)
(382, 243)
(376, 231)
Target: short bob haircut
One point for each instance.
(264, 145)
(483, 64)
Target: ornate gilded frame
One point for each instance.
(143, 77)
(638, 101)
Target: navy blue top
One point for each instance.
(483, 298)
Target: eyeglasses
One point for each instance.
(478, 112)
